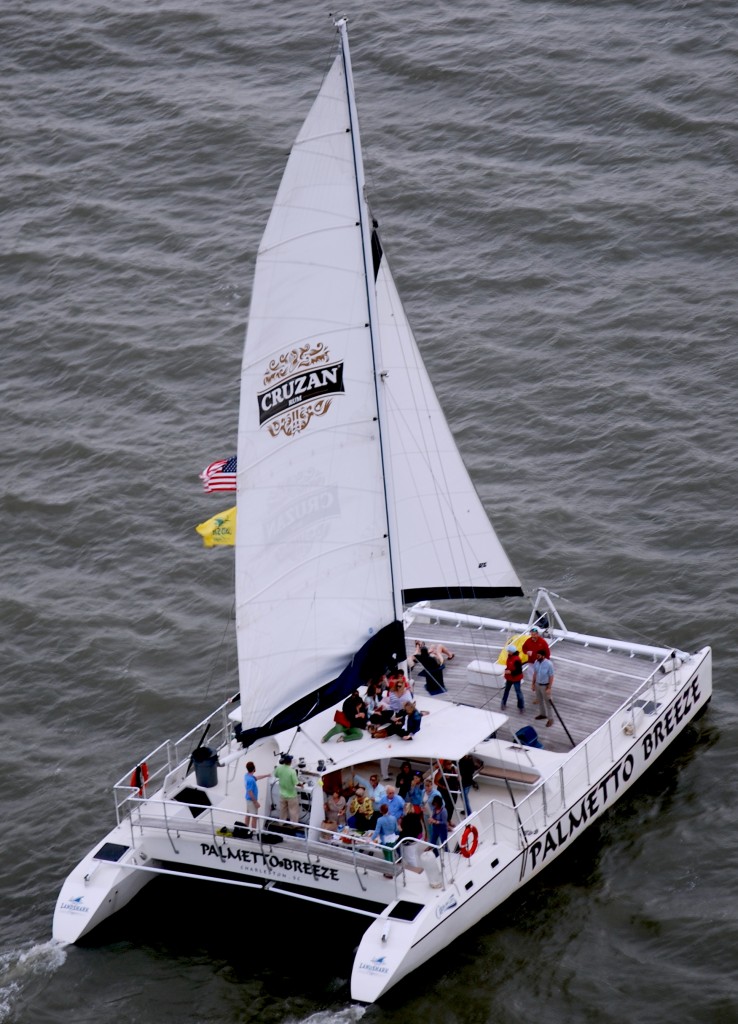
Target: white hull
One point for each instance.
(383, 959)
(515, 842)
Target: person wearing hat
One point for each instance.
(513, 677)
(360, 810)
(286, 776)
(534, 644)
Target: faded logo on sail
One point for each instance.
(299, 385)
(303, 516)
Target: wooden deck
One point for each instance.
(589, 683)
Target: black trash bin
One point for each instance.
(205, 760)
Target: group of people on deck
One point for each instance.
(386, 709)
(417, 806)
(391, 813)
(536, 652)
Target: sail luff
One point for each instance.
(369, 277)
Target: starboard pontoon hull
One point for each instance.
(390, 949)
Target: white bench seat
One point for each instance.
(488, 673)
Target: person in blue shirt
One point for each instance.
(386, 832)
(375, 789)
(415, 793)
(252, 794)
(430, 792)
(395, 803)
(438, 822)
(542, 684)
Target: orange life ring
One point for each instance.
(469, 841)
(139, 778)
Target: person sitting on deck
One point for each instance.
(347, 720)
(432, 671)
(399, 691)
(360, 811)
(373, 696)
(382, 712)
(335, 808)
(407, 724)
(412, 661)
(354, 709)
(375, 790)
(440, 653)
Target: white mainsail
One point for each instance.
(313, 580)
(334, 514)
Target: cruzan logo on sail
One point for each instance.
(299, 385)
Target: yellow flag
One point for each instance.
(220, 529)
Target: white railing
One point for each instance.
(512, 628)
(169, 763)
(145, 815)
(584, 766)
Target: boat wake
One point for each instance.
(347, 1015)
(22, 970)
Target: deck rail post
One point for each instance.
(609, 736)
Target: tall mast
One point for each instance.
(371, 297)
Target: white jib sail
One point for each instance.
(447, 545)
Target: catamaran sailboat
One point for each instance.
(364, 535)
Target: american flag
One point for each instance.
(220, 476)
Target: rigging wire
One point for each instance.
(231, 616)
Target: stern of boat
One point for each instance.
(102, 883)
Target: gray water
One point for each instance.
(556, 189)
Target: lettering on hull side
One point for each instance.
(270, 863)
(604, 793)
